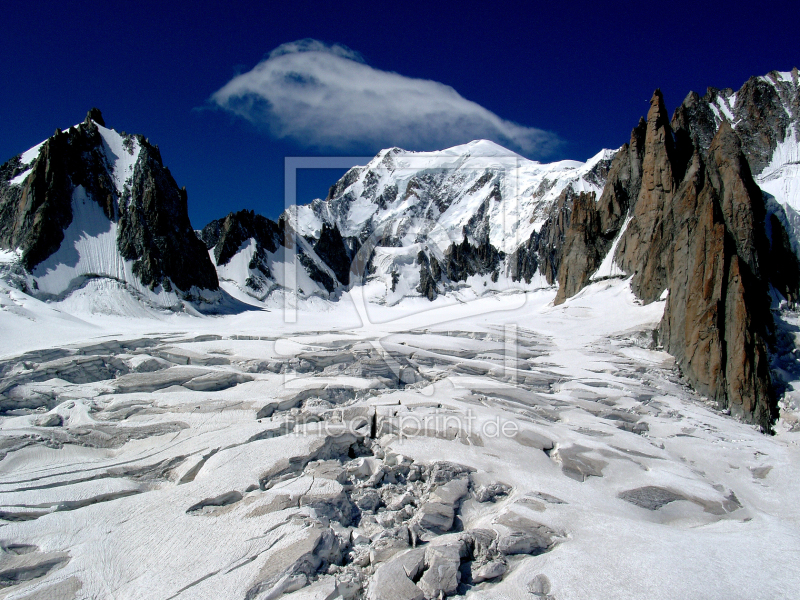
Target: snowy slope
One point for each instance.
(121, 154)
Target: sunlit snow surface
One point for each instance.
(148, 414)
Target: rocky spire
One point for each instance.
(641, 249)
(717, 318)
(697, 230)
(151, 214)
(95, 115)
(593, 225)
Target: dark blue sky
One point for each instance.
(583, 71)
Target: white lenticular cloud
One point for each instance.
(326, 96)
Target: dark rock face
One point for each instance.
(227, 236)
(763, 110)
(524, 261)
(542, 251)
(33, 217)
(331, 248)
(429, 273)
(783, 267)
(465, 260)
(641, 249)
(550, 240)
(95, 115)
(696, 228)
(154, 229)
(460, 262)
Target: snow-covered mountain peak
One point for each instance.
(90, 202)
(479, 185)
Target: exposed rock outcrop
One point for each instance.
(227, 236)
(429, 274)
(762, 111)
(765, 113)
(649, 234)
(696, 229)
(580, 255)
(266, 240)
(330, 247)
(542, 251)
(717, 319)
(33, 217)
(594, 225)
(465, 260)
(155, 231)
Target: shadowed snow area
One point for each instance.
(499, 447)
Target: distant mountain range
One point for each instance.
(702, 210)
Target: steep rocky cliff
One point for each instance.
(597, 223)
(91, 202)
(687, 221)
(154, 228)
(717, 318)
(765, 112)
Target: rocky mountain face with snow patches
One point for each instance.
(719, 179)
(252, 254)
(678, 208)
(688, 220)
(475, 215)
(90, 202)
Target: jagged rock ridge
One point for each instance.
(696, 230)
(765, 112)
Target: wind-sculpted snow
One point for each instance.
(487, 449)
